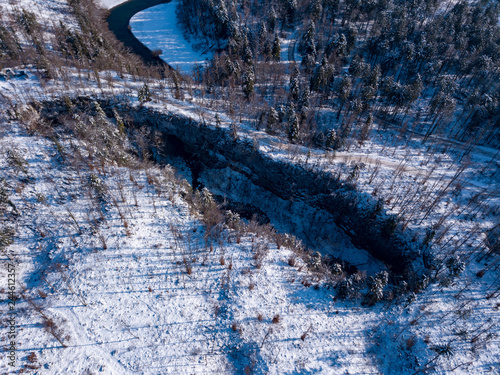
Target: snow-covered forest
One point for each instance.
(320, 195)
(428, 66)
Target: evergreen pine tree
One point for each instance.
(249, 84)
(293, 129)
(294, 83)
(144, 94)
(276, 48)
(303, 105)
(272, 119)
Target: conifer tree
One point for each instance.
(293, 127)
(144, 94)
(294, 83)
(249, 84)
(276, 48)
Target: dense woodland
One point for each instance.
(426, 66)
(430, 66)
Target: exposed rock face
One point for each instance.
(311, 204)
(286, 191)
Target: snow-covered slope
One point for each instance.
(116, 273)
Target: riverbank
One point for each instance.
(119, 21)
(158, 29)
(150, 30)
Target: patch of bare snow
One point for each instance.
(108, 4)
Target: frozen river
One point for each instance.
(157, 29)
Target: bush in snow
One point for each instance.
(376, 287)
(336, 269)
(144, 94)
(98, 186)
(233, 220)
(16, 160)
(349, 288)
(212, 215)
(206, 199)
(444, 349)
(455, 266)
(6, 237)
(315, 260)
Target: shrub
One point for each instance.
(444, 349)
(336, 269)
(455, 266)
(98, 186)
(17, 161)
(376, 287)
(349, 288)
(32, 357)
(144, 94)
(233, 220)
(6, 237)
(315, 260)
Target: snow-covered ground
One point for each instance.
(157, 29)
(47, 12)
(122, 298)
(132, 286)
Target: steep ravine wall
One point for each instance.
(311, 204)
(317, 197)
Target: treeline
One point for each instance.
(429, 64)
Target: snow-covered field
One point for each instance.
(127, 282)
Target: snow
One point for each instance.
(289, 52)
(47, 12)
(157, 28)
(131, 307)
(108, 4)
